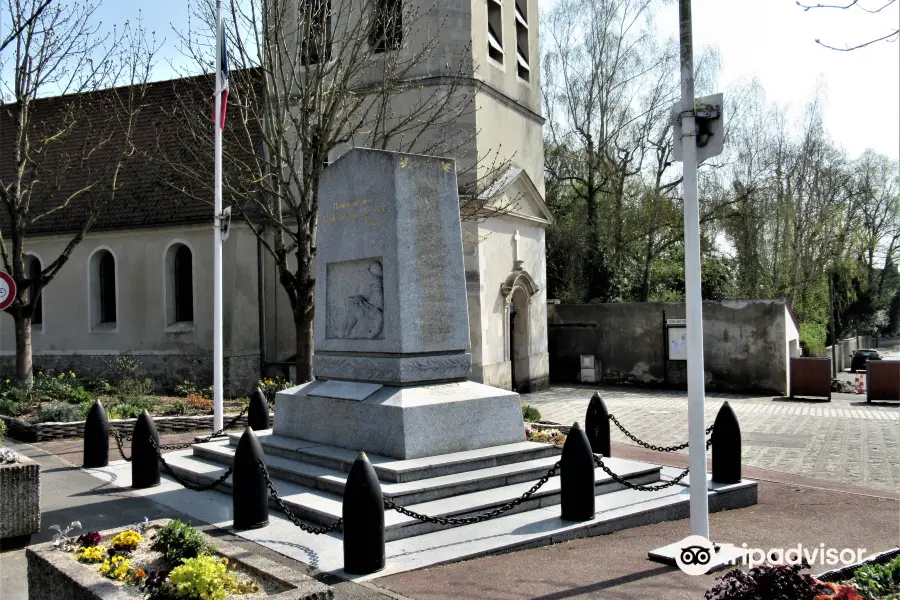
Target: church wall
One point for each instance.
(496, 250)
(66, 339)
(508, 135)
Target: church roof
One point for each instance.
(150, 191)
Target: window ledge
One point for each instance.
(182, 327)
(39, 328)
(105, 328)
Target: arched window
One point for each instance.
(107, 288)
(34, 273)
(103, 290)
(183, 280)
(179, 285)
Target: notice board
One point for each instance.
(677, 343)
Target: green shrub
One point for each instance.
(2, 431)
(877, 581)
(530, 413)
(179, 407)
(78, 395)
(179, 541)
(205, 578)
(59, 412)
(812, 336)
(122, 410)
(11, 408)
(189, 388)
(272, 385)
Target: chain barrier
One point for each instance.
(640, 488)
(477, 518)
(641, 442)
(119, 439)
(188, 484)
(647, 488)
(225, 427)
(287, 511)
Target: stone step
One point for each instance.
(412, 492)
(396, 470)
(323, 507)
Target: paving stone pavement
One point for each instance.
(846, 440)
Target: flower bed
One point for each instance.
(537, 432)
(20, 496)
(65, 397)
(159, 560)
(876, 580)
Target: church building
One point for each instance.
(140, 283)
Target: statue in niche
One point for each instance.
(365, 311)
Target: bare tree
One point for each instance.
(892, 34)
(609, 84)
(65, 136)
(310, 80)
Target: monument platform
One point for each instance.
(310, 478)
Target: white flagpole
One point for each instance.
(217, 237)
(696, 380)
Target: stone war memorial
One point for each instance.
(448, 472)
(391, 346)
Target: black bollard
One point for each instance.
(596, 425)
(250, 496)
(96, 438)
(144, 460)
(363, 513)
(577, 477)
(726, 447)
(258, 412)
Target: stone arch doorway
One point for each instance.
(517, 291)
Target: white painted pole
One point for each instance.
(694, 314)
(218, 395)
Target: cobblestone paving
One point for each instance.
(846, 440)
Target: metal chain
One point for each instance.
(477, 518)
(211, 436)
(287, 511)
(119, 437)
(187, 484)
(641, 442)
(641, 488)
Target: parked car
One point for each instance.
(861, 357)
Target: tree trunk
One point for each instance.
(303, 321)
(24, 373)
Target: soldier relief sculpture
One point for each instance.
(365, 310)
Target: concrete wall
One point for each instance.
(845, 349)
(746, 343)
(69, 339)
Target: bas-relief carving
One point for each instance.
(355, 300)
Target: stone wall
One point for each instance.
(744, 344)
(20, 498)
(40, 432)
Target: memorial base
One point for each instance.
(400, 422)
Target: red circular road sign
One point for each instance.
(7, 290)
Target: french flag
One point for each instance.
(222, 77)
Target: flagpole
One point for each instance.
(218, 394)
